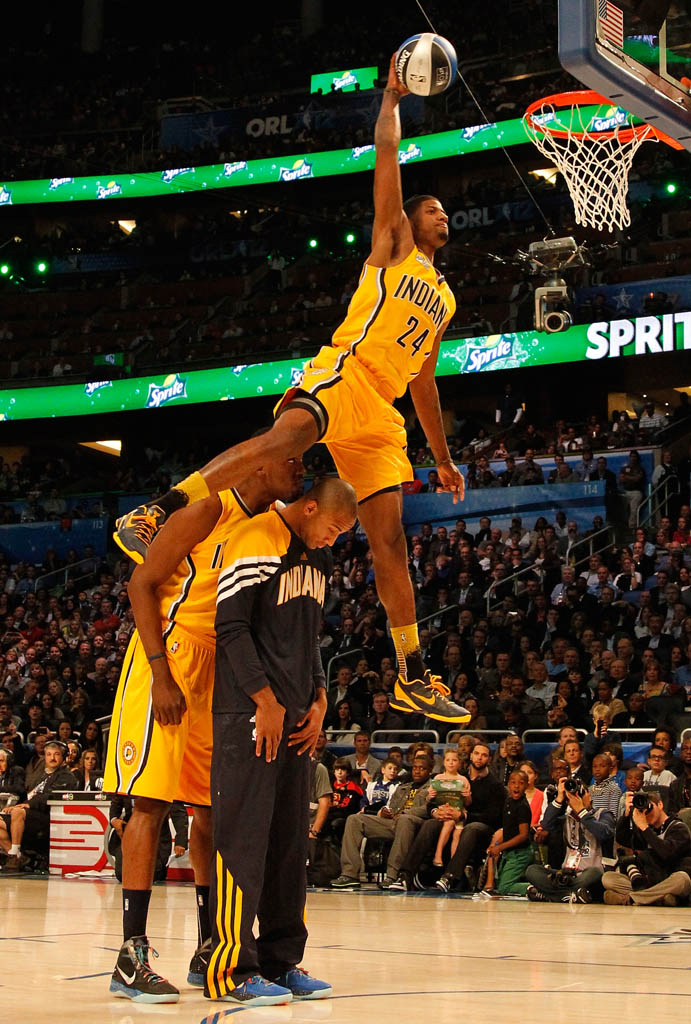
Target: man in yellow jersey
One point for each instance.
(388, 341)
(161, 730)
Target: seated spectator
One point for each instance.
(449, 788)
(341, 726)
(398, 820)
(73, 755)
(483, 818)
(345, 799)
(533, 795)
(680, 790)
(476, 720)
(604, 790)
(88, 774)
(92, 738)
(633, 783)
(379, 790)
(363, 764)
(28, 824)
(503, 764)
(573, 755)
(382, 718)
(12, 779)
(511, 843)
(321, 752)
(656, 774)
(657, 871)
(635, 716)
(586, 831)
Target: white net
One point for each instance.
(595, 166)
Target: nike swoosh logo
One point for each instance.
(418, 696)
(126, 978)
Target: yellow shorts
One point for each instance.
(163, 762)
(364, 433)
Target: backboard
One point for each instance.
(628, 51)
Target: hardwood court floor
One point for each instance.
(390, 958)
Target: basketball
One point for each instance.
(426, 64)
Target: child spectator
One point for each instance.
(346, 797)
(452, 788)
(511, 842)
(634, 783)
(378, 792)
(533, 795)
(604, 792)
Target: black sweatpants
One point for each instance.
(260, 818)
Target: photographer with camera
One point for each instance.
(586, 830)
(658, 870)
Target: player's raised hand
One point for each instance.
(393, 81)
(451, 479)
(167, 699)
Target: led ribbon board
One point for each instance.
(344, 81)
(288, 169)
(647, 335)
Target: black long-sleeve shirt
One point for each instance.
(488, 798)
(268, 613)
(661, 851)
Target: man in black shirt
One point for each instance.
(268, 706)
(483, 818)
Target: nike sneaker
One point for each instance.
(136, 529)
(427, 696)
(303, 985)
(198, 965)
(257, 991)
(133, 978)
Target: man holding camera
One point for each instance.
(587, 828)
(660, 866)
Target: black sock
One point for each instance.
(135, 909)
(414, 665)
(203, 918)
(171, 501)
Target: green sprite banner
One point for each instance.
(647, 335)
(178, 180)
(344, 81)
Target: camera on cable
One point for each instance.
(426, 64)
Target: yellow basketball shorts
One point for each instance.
(163, 762)
(364, 433)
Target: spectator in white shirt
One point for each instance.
(657, 774)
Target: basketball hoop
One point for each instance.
(593, 152)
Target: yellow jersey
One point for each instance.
(188, 597)
(393, 319)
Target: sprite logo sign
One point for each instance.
(5, 196)
(300, 169)
(174, 173)
(347, 78)
(411, 153)
(111, 189)
(95, 385)
(230, 169)
(496, 352)
(57, 182)
(174, 386)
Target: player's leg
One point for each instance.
(243, 790)
(143, 762)
(281, 911)
(290, 436)
(201, 854)
(416, 690)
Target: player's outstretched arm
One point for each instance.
(392, 237)
(425, 396)
(171, 545)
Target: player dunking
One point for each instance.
(161, 731)
(389, 340)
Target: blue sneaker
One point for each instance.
(303, 986)
(257, 991)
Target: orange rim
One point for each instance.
(583, 98)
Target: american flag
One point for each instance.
(611, 21)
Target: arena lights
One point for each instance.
(671, 188)
(41, 267)
(4, 269)
(313, 243)
(350, 238)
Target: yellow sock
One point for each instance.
(194, 486)
(406, 641)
